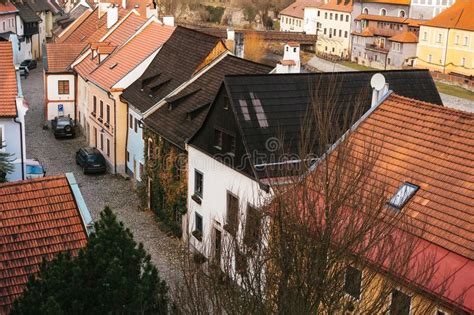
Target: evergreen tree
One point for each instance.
(6, 165)
(111, 275)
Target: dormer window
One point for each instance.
(403, 195)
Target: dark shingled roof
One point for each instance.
(283, 100)
(176, 62)
(39, 5)
(184, 112)
(26, 13)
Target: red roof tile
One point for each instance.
(125, 59)
(61, 55)
(8, 84)
(39, 219)
(296, 9)
(405, 37)
(338, 5)
(7, 7)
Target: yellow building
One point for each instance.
(446, 43)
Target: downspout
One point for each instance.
(21, 145)
(115, 131)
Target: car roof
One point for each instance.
(90, 150)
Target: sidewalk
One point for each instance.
(327, 66)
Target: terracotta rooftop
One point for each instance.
(458, 16)
(61, 55)
(399, 2)
(125, 59)
(39, 219)
(8, 84)
(338, 5)
(382, 18)
(64, 34)
(7, 7)
(296, 9)
(405, 37)
(106, 49)
(288, 62)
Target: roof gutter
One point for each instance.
(81, 204)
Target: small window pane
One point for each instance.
(252, 227)
(400, 303)
(352, 283)
(403, 195)
(218, 138)
(198, 226)
(198, 183)
(232, 214)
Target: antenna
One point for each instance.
(377, 81)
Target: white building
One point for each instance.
(291, 62)
(12, 113)
(428, 9)
(294, 18)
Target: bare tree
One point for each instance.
(326, 242)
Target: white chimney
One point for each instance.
(291, 62)
(230, 34)
(379, 88)
(168, 20)
(103, 8)
(124, 4)
(112, 15)
(150, 11)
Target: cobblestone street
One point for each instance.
(58, 156)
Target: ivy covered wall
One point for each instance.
(165, 180)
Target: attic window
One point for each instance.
(113, 65)
(403, 195)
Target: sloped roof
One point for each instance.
(26, 13)
(7, 7)
(458, 16)
(39, 5)
(176, 62)
(139, 5)
(8, 84)
(338, 5)
(296, 9)
(39, 219)
(126, 58)
(74, 24)
(396, 2)
(405, 37)
(382, 18)
(61, 55)
(283, 99)
(184, 112)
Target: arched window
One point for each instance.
(401, 13)
(365, 11)
(383, 12)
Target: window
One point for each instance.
(63, 87)
(440, 37)
(425, 36)
(463, 61)
(198, 183)
(232, 215)
(102, 141)
(336, 16)
(440, 312)
(150, 148)
(325, 15)
(347, 18)
(466, 40)
(218, 139)
(396, 46)
(325, 31)
(345, 34)
(107, 117)
(401, 13)
(352, 282)
(342, 18)
(388, 60)
(101, 108)
(365, 11)
(330, 16)
(198, 223)
(319, 13)
(252, 227)
(135, 126)
(400, 304)
(430, 58)
(456, 40)
(383, 12)
(130, 121)
(108, 147)
(226, 102)
(403, 195)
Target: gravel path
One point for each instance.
(99, 191)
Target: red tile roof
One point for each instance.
(458, 16)
(296, 9)
(125, 59)
(405, 37)
(8, 84)
(61, 55)
(39, 219)
(338, 5)
(7, 7)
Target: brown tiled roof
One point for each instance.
(8, 84)
(432, 147)
(7, 7)
(405, 37)
(125, 59)
(296, 9)
(459, 16)
(338, 5)
(39, 219)
(61, 55)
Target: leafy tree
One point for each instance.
(6, 166)
(111, 275)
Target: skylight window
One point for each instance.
(403, 195)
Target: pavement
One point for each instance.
(58, 157)
(448, 100)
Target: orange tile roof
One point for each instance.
(39, 219)
(432, 147)
(381, 18)
(125, 59)
(288, 62)
(74, 25)
(139, 5)
(7, 7)
(459, 16)
(128, 26)
(61, 55)
(405, 37)
(106, 49)
(338, 5)
(8, 84)
(402, 2)
(296, 9)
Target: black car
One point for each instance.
(91, 160)
(63, 127)
(28, 63)
(24, 72)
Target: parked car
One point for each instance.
(34, 169)
(90, 160)
(24, 72)
(63, 127)
(28, 63)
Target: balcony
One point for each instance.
(376, 48)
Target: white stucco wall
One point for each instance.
(135, 145)
(336, 44)
(54, 98)
(310, 20)
(218, 179)
(82, 99)
(291, 24)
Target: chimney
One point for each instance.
(230, 34)
(124, 4)
(379, 88)
(112, 15)
(291, 62)
(168, 20)
(150, 11)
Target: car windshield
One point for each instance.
(34, 169)
(63, 122)
(24, 63)
(95, 159)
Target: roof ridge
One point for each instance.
(431, 105)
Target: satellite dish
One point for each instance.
(378, 81)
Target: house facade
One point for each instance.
(334, 28)
(12, 113)
(446, 42)
(296, 18)
(427, 10)
(28, 28)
